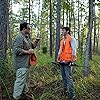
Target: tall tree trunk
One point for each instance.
(3, 27)
(74, 24)
(38, 33)
(51, 28)
(29, 11)
(69, 18)
(73, 16)
(58, 28)
(70, 15)
(94, 42)
(98, 38)
(0, 91)
(63, 15)
(10, 26)
(66, 17)
(78, 27)
(82, 33)
(87, 54)
(3, 33)
(90, 50)
(39, 14)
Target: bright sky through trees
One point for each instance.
(17, 6)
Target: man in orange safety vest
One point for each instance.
(67, 55)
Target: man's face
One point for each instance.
(27, 30)
(64, 32)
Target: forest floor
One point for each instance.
(46, 84)
(54, 91)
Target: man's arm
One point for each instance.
(74, 46)
(18, 46)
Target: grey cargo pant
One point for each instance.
(21, 83)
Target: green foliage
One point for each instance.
(48, 96)
(44, 50)
(44, 59)
(98, 4)
(6, 73)
(66, 5)
(4, 69)
(42, 75)
(86, 86)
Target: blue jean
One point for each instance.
(66, 72)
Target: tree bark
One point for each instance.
(78, 27)
(29, 11)
(3, 27)
(94, 42)
(98, 39)
(58, 28)
(87, 53)
(0, 91)
(3, 33)
(50, 28)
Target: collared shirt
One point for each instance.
(20, 43)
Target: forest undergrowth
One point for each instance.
(46, 82)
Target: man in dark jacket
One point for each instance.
(22, 49)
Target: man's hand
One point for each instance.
(30, 51)
(58, 59)
(74, 58)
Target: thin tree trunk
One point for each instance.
(98, 38)
(63, 16)
(50, 28)
(3, 33)
(69, 18)
(70, 15)
(87, 54)
(81, 28)
(0, 91)
(66, 17)
(58, 28)
(38, 33)
(94, 42)
(92, 11)
(10, 27)
(3, 27)
(29, 11)
(74, 25)
(78, 28)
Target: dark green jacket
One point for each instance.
(20, 43)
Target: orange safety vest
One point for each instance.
(65, 52)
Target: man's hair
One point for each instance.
(67, 29)
(23, 25)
